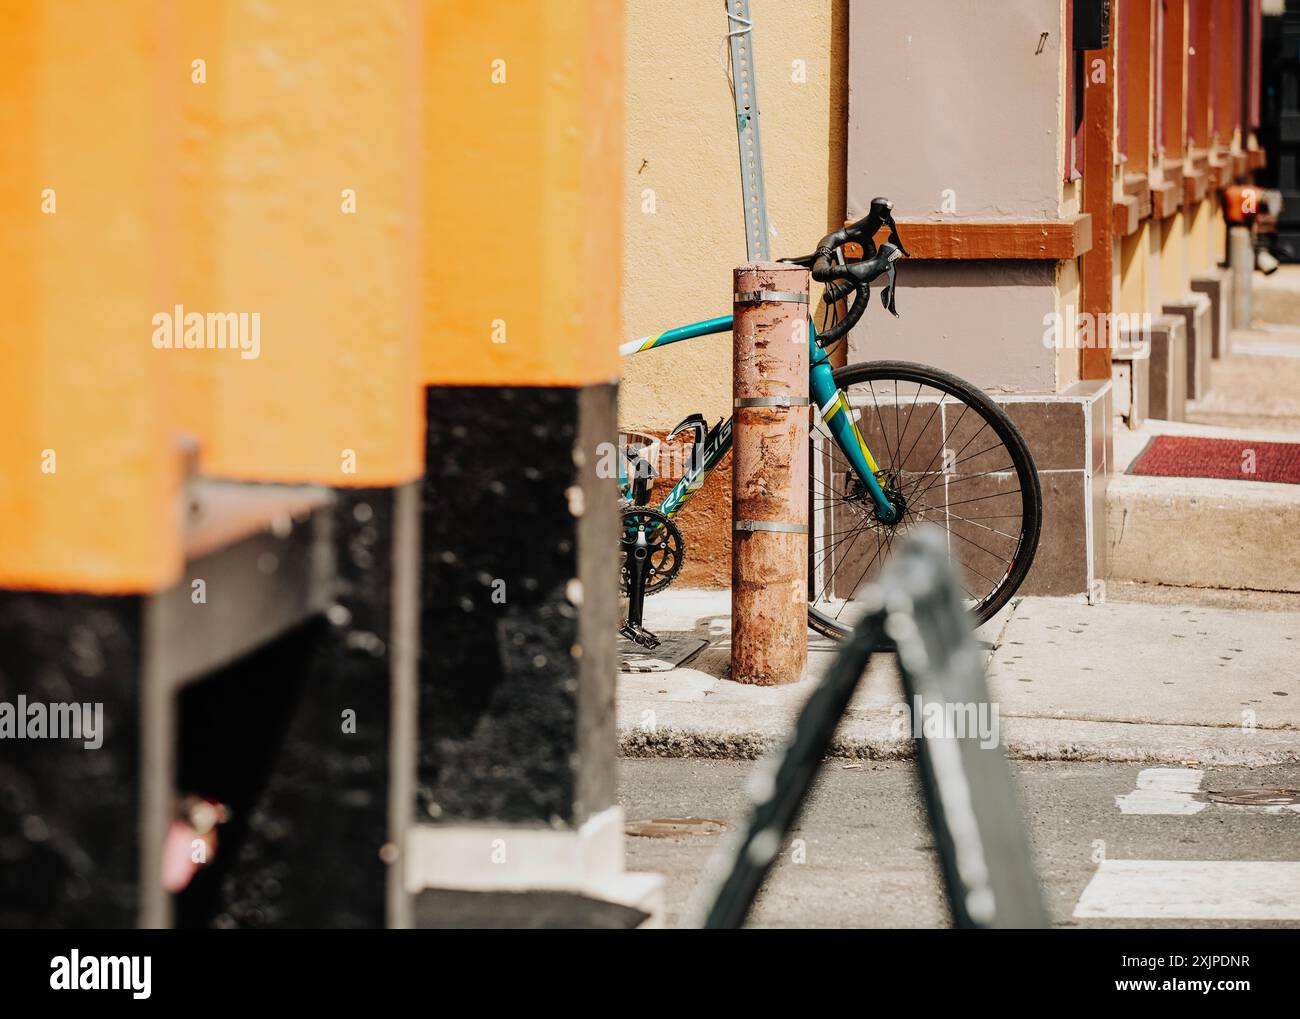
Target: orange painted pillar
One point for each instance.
(522, 193)
(210, 228)
(300, 185)
(87, 463)
(519, 530)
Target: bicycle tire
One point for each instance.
(996, 418)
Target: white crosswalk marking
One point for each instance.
(1164, 791)
(1189, 889)
(1193, 890)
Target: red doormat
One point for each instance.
(1184, 456)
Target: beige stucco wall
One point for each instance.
(957, 101)
(982, 320)
(681, 147)
(965, 123)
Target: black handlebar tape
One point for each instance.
(836, 292)
(823, 269)
(850, 319)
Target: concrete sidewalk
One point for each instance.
(1140, 681)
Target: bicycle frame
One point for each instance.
(831, 403)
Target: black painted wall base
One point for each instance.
(294, 737)
(270, 736)
(69, 845)
(518, 606)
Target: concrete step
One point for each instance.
(1201, 532)
(1257, 384)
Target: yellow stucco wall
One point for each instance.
(1198, 236)
(1135, 272)
(1173, 258)
(681, 148)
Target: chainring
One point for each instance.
(664, 538)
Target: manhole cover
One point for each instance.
(1255, 797)
(669, 827)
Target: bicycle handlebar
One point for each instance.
(844, 279)
(881, 213)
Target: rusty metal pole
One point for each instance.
(769, 551)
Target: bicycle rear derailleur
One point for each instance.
(653, 551)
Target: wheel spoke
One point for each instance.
(838, 552)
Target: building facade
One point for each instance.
(1055, 167)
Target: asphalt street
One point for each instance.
(862, 854)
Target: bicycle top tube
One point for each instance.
(708, 327)
(827, 397)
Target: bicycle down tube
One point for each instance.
(831, 403)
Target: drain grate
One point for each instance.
(1255, 797)
(672, 827)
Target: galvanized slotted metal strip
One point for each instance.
(740, 37)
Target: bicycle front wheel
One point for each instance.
(947, 455)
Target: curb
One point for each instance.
(1025, 739)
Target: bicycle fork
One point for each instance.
(833, 405)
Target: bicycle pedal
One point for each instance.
(639, 635)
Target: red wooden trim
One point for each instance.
(1127, 216)
(1226, 35)
(1173, 66)
(1167, 196)
(1196, 179)
(961, 239)
(1071, 72)
(1097, 269)
(1199, 53)
(1254, 65)
(1139, 186)
(1135, 79)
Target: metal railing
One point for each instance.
(970, 799)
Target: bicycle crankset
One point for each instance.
(653, 551)
(664, 545)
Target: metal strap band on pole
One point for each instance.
(771, 401)
(780, 526)
(770, 297)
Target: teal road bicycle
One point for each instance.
(892, 444)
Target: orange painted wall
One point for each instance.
(227, 195)
(522, 192)
(302, 102)
(224, 195)
(77, 374)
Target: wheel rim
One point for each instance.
(954, 464)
